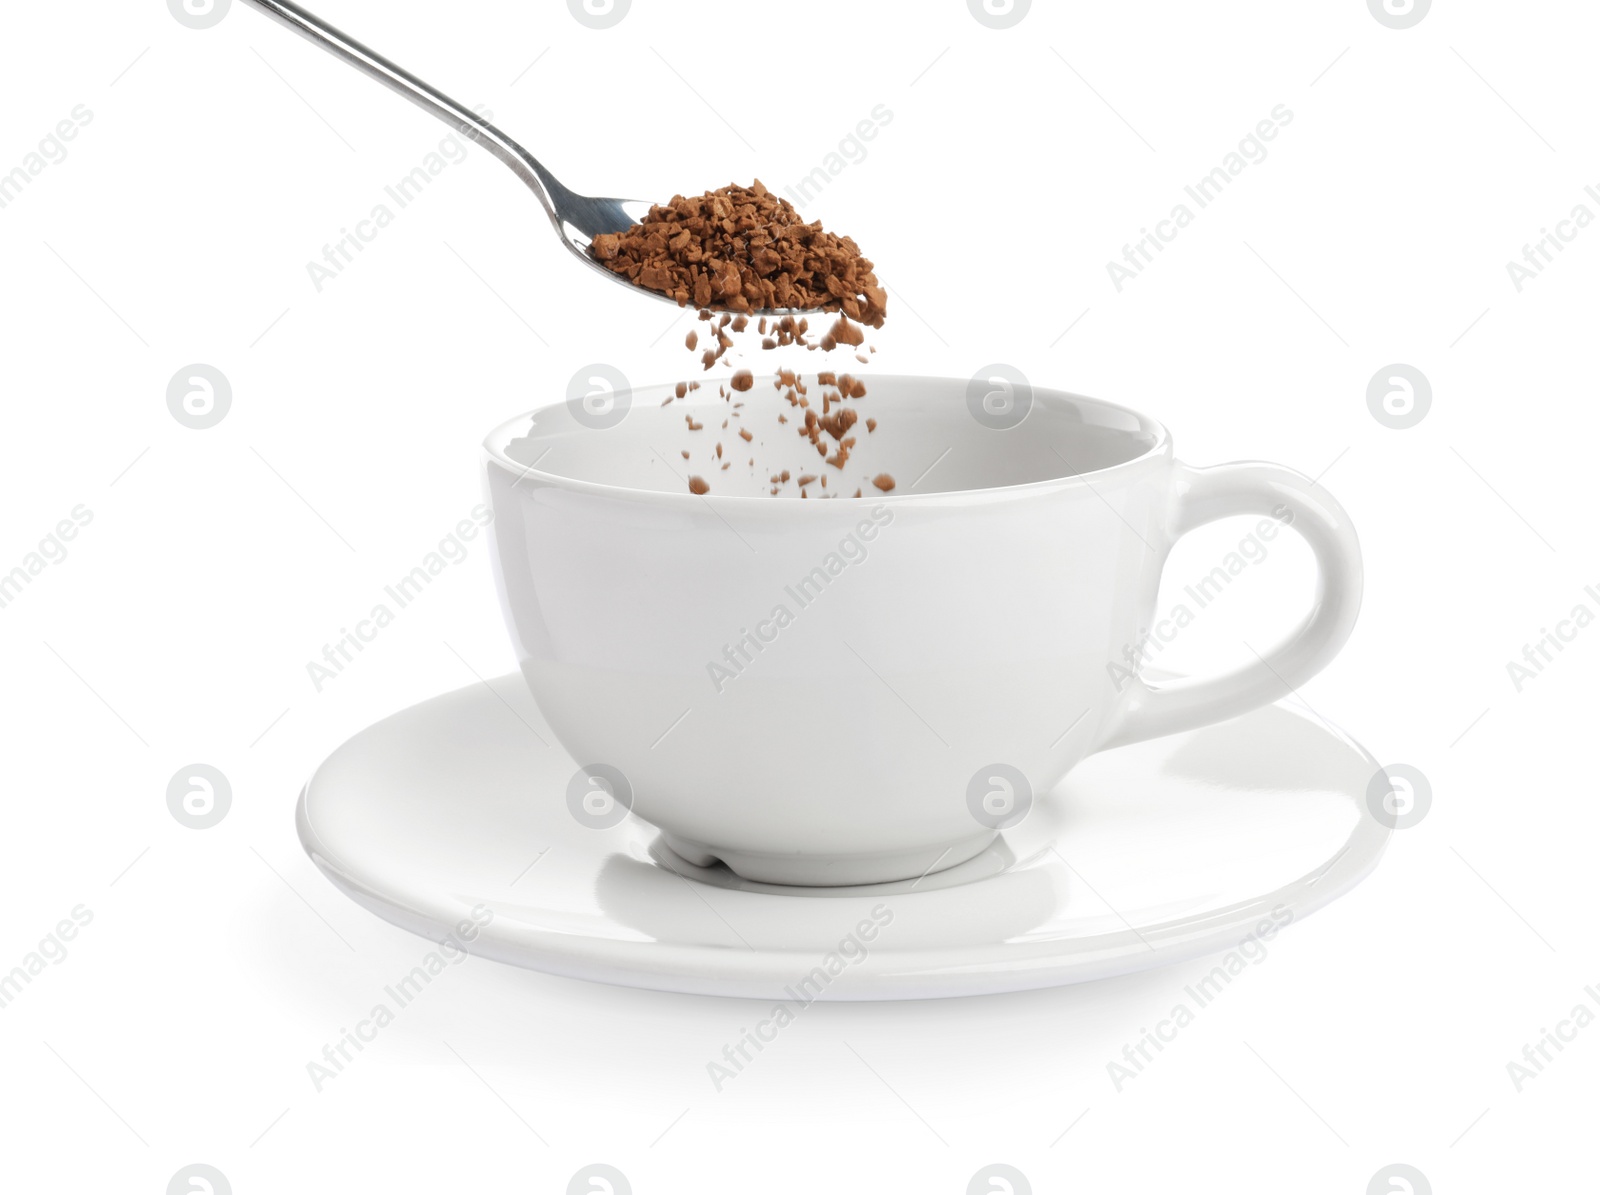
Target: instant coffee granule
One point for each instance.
(829, 431)
(743, 249)
(737, 250)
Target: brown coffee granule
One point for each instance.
(697, 485)
(685, 454)
(693, 426)
(733, 251)
(743, 248)
(835, 424)
(851, 387)
(788, 330)
(827, 432)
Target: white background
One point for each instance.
(177, 230)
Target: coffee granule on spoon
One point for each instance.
(743, 249)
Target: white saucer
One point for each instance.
(1144, 856)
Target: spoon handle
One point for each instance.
(430, 99)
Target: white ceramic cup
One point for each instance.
(853, 691)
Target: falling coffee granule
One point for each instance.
(738, 250)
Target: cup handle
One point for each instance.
(1204, 496)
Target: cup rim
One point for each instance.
(1160, 448)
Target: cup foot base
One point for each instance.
(813, 871)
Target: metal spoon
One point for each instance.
(578, 219)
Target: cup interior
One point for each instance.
(931, 435)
